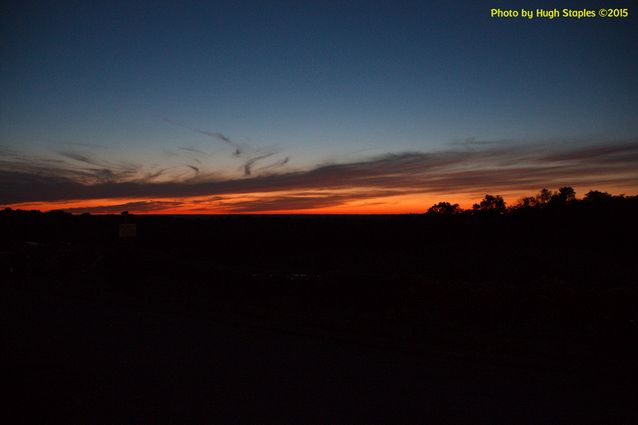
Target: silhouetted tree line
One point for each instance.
(563, 197)
(586, 242)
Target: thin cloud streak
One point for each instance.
(140, 206)
(192, 150)
(302, 201)
(215, 135)
(99, 171)
(277, 164)
(195, 169)
(248, 165)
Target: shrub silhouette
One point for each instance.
(544, 196)
(565, 195)
(528, 202)
(493, 204)
(598, 196)
(445, 208)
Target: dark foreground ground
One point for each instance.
(529, 317)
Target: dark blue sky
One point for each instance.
(313, 82)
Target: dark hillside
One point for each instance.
(536, 307)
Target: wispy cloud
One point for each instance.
(150, 176)
(302, 201)
(252, 154)
(192, 150)
(212, 134)
(274, 165)
(99, 170)
(140, 206)
(608, 153)
(195, 169)
(248, 165)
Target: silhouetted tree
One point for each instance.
(565, 194)
(445, 208)
(492, 204)
(527, 202)
(544, 196)
(597, 196)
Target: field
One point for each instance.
(527, 317)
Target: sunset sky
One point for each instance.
(301, 107)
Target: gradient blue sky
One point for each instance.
(312, 82)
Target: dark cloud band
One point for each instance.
(489, 168)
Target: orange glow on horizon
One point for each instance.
(230, 204)
(343, 202)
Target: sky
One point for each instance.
(310, 107)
